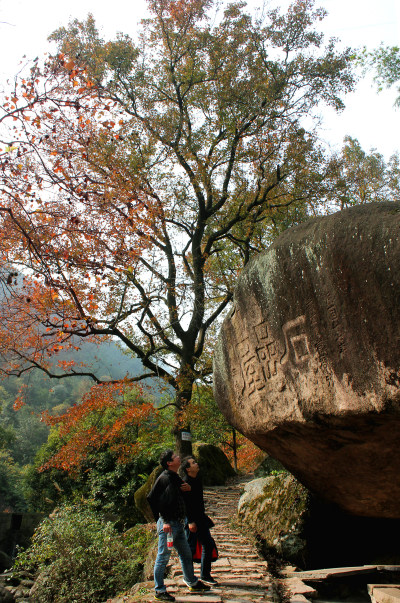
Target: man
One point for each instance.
(168, 507)
(199, 523)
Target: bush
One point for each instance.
(77, 556)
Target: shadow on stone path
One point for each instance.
(241, 573)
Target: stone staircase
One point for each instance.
(241, 574)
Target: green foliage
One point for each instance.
(45, 490)
(23, 434)
(108, 482)
(11, 484)
(7, 433)
(80, 557)
(356, 177)
(139, 540)
(206, 420)
(82, 41)
(11, 474)
(385, 62)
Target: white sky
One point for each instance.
(369, 116)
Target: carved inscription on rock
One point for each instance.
(336, 327)
(296, 340)
(259, 355)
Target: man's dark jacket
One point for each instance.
(165, 498)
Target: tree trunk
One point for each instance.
(183, 446)
(182, 433)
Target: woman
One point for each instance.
(198, 523)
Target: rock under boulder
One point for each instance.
(293, 525)
(269, 466)
(307, 364)
(273, 508)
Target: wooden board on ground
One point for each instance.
(333, 572)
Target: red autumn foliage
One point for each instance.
(108, 417)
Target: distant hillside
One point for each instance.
(106, 361)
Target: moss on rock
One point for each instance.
(142, 493)
(275, 509)
(142, 540)
(269, 466)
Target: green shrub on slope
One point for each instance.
(77, 556)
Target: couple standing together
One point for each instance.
(177, 503)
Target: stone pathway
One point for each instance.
(242, 575)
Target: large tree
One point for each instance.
(140, 178)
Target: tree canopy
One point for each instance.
(139, 178)
(359, 177)
(385, 63)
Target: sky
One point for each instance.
(369, 116)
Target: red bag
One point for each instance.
(199, 549)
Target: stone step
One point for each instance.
(238, 548)
(198, 599)
(228, 538)
(250, 564)
(228, 574)
(256, 600)
(242, 584)
(222, 506)
(251, 592)
(219, 507)
(238, 555)
(245, 597)
(238, 576)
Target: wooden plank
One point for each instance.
(381, 593)
(333, 572)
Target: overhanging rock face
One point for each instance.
(307, 364)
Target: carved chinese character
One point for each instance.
(296, 341)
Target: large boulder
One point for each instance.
(214, 464)
(307, 363)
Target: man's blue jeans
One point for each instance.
(164, 553)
